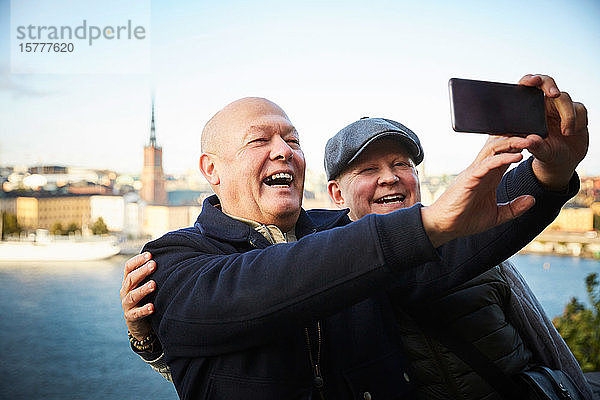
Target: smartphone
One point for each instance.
(496, 108)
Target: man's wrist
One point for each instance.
(400, 249)
(552, 179)
(437, 236)
(149, 344)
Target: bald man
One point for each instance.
(260, 299)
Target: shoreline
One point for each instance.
(587, 256)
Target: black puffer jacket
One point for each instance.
(475, 310)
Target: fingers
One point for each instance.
(530, 80)
(137, 269)
(539, 147)
(513, 144)
(141, 273)
(503, 144)
(132, 298)
(139, 313)
(501, 160)
(515, 208)
(573, 116)
(543, 82)
(566, 110)
(133, 278)
(136, 261)
(581, 119)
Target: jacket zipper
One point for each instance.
(315, 361)
(315, 364)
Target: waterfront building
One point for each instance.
(40, 210)
(573, 219)
(155, 212)
(111, 209)
(160, 219)
(134, 216)
(153, 180)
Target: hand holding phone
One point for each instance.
(497, 108)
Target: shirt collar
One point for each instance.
(271, 232)
(213, 223)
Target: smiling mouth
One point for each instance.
(395, 198)
(280, 180)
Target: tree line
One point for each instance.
(11, 227)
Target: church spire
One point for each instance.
(152, 142)
(153, 185)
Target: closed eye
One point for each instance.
(258, 140)
(403, 165)
(367, 170)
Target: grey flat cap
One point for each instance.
(348, 143)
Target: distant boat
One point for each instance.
(41, 247)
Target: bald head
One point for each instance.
(251, 157)
(232, 118)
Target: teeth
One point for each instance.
(390, 198)
(282, 179)
(281, 175)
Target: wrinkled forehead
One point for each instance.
(268, 125)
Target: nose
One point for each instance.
(387, 177)
(281, 150)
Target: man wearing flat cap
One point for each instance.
(356, 157)
(263, 300)
(370, 165)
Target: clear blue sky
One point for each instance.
(326, 65)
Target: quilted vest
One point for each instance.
(475, 310)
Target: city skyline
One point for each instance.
(326, 65)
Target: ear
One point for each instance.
(335, 193)
(209, 169)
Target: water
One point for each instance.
(63, 335)
(563, 278)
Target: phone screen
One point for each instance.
(496, 108)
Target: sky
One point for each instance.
(325, 64)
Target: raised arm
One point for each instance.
(549, 176)
(213, 298)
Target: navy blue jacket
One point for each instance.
(230, 307)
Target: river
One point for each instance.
(63, 335)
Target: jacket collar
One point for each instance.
(214, 223)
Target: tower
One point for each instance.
(153, 182)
